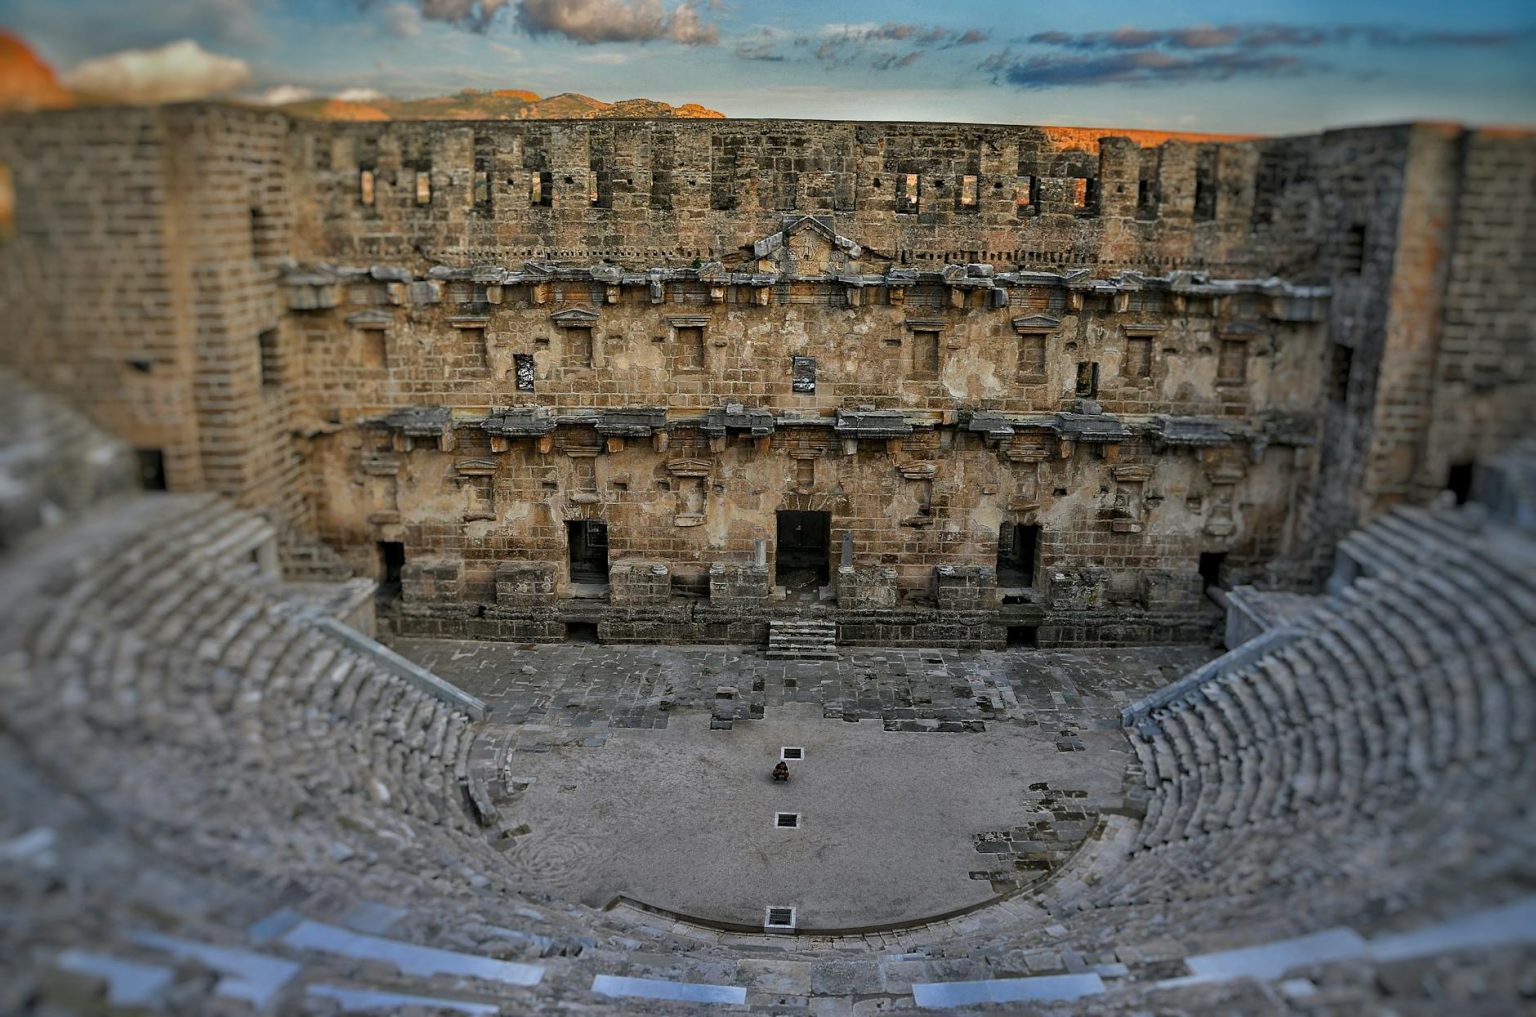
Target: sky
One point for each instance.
(1259, 67)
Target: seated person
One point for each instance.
(781, 772)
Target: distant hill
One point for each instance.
(26, 82)
(501, 104)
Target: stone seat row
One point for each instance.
(179, 637)
(1407, 675)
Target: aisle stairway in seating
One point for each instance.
(803, 638)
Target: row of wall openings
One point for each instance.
(909, 200)
(367, 187)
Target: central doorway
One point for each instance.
(1016, 547)
(803, 550)
(587, 544)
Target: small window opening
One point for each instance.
(786, 820)
(925, 353)
(907, 198)
(391, 562)
(423, 187)
(791, 753)
(803, 375)
(690, 347)
(1145, 206)
(1087, 379)
(968, 189)
(593, 195)
(1342, 361)
(482, 189)
(1026, 195)
(522, 369)
(271, 373)
(1458, 480)
(541, 189)
(151, 469)
(365, 187)
(1211, 563)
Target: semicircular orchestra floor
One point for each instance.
(931, 781)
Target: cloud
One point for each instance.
(1140, 66)
(403, 20)
(281, 95)
(360, 95)
(176, 72)
(590, 22)
(1261, 35)
(893, 44)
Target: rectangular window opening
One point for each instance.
(786, 820)
(791, 753)
(907, 198)
(541, 189)
(423, 187)
(1352, 250)
(803, 375)
(1026, 194)
(365, 187)
(1343, 359)
(581, 632)
(482, 189)
(968, 191)
(522, 369)
(1087, 379)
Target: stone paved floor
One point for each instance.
(899, 822)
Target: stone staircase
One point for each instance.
(803, 638)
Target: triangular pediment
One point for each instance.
(575, 317)
(690, 467)
(1036, 323)
(807, 247)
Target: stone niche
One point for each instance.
(872, 587)
(525, 584)
(965, 587)
(636, 583)
(433, 581)
(738, 583)
(1075, 589)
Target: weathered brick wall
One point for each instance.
(1482, 388)
(639, 194)
(211, 282)
(140, 277)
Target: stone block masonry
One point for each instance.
(674, 380)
